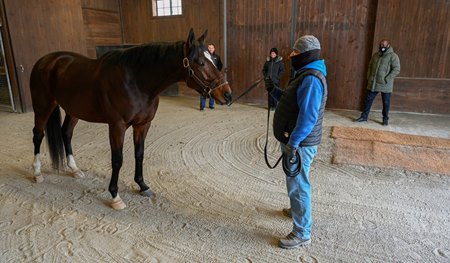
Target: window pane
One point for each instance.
(177, 11)
(167, 7)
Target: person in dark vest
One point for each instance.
(273, 70)
(218, 63)
(297, 124)
(384, 66)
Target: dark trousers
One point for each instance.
(271, 101)
(386, 97)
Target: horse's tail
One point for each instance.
(54, 138)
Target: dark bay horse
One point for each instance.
(121, 88)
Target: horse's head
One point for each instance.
(204, 77)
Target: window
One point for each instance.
(167, 7)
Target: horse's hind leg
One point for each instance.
(38, 135)
(67, 133)
(139, 134)
(40, 121)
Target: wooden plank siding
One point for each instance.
(102, 27)
(253, 28)
(343, 27)
(419, 31)
(105, 5)
(140, 26)
(345, 30)
(420, 95)
(349, 31)
(37, 28)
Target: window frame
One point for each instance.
(155, 10)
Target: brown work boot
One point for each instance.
(287, 212)
(292, 241)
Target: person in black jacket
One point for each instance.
(218, 63)
(273, 70)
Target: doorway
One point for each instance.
(6, 98)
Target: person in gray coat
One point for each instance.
(383, 68)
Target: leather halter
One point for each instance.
(207, 87)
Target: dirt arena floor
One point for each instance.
(216, 201)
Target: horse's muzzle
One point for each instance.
(228, 97)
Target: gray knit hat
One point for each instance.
(306, 43)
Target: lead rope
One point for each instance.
(268, 123)
(267, 141)
(246, 91)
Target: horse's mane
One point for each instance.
(142, 54)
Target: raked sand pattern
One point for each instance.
(216, 201)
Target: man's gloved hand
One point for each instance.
(291, 153)
(269, 83)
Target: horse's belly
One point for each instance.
(81, 110)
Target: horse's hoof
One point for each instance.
(147, 193)
(39, 179)
(78, 174)
(118, 204)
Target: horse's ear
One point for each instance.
(202, 37)
(191, 37)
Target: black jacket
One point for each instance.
(274, 69)
(217, 61)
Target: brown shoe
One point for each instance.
(292, 241)
(287, 212)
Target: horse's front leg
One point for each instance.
(116, 137)
(67, 133)
(139, 134)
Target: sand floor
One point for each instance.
(216, 201)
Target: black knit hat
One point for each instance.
(274, 49)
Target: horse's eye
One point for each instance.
(201, 62)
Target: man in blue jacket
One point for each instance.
(297, 124)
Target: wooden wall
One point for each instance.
(253, 28)
(139, 25)
(343, 27)
(349, 31)
(419, 32)
(37, 28)
(102, 23)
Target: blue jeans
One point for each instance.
(203, 102)
(299, 192)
